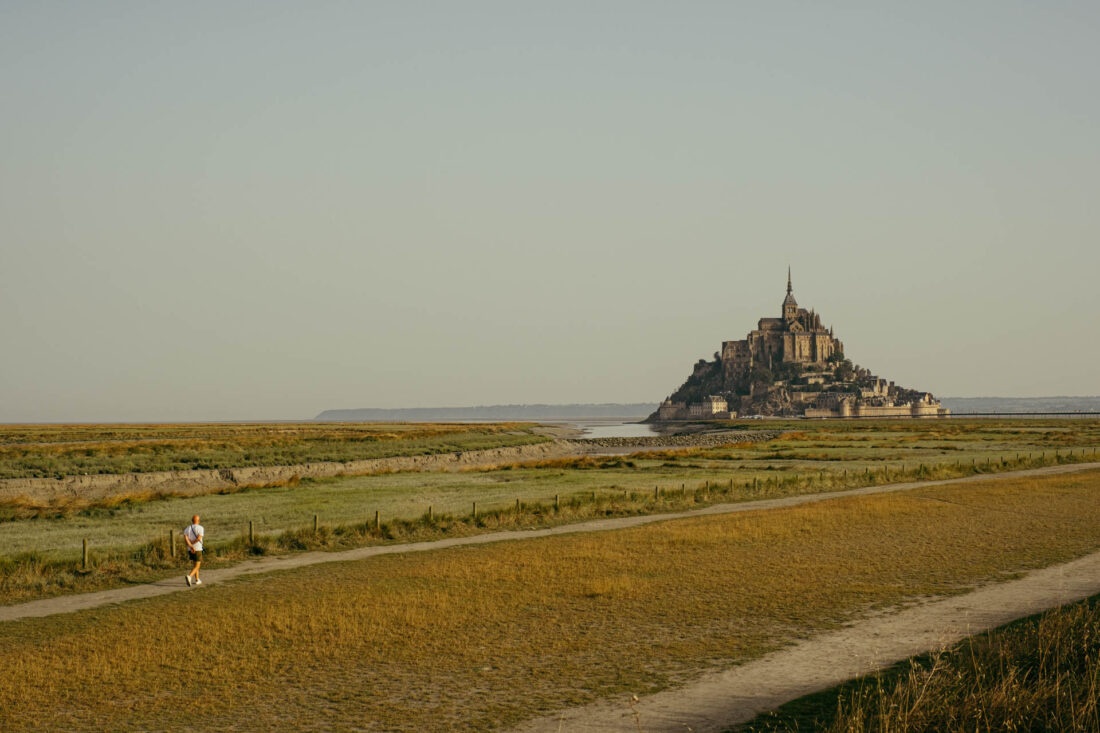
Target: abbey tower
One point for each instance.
(796, 337)
(790, 365)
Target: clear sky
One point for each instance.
(253, 210)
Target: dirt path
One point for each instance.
(723, 699)
(83, 601)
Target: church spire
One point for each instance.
(790, 305)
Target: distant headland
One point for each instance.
(790, 366)
(633, 410)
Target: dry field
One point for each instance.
(40, 544)
(1038, 674)
(482, 637)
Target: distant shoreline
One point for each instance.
(497, 413)
(961, 406)
(1064, 405)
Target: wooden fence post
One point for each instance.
(172, 543)
(251, 534)
(557, 505)
(377, 520)
(475, 511)
(431, 514)
(656, 493)
(517, 506)
(84, 556)
(314, 524)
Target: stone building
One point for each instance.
(711, 407)
(796, 337)
(669, 410)
(792, 366)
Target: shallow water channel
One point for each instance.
(613, 429)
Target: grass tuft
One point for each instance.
(1038, 674)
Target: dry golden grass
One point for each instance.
(579, 463)
(1040, 674)
(260, 433)
(479, 637)
(23, 507)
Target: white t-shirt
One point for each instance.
(194, 532)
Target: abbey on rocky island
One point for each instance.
(790, 366)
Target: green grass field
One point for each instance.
(39, 546)
(60, 450)
(481, 637)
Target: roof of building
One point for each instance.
(789, 300)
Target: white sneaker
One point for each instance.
(188, 579)
(198, 582)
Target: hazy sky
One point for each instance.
(263, 210)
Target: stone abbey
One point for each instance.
(792, 366)
(795, 338)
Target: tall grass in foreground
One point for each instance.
(1041, 674)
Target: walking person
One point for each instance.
(193, 537)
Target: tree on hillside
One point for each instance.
(845, 372)
(788, 370)
(761, 374)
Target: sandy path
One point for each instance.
(722, 699)
(83, 601)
